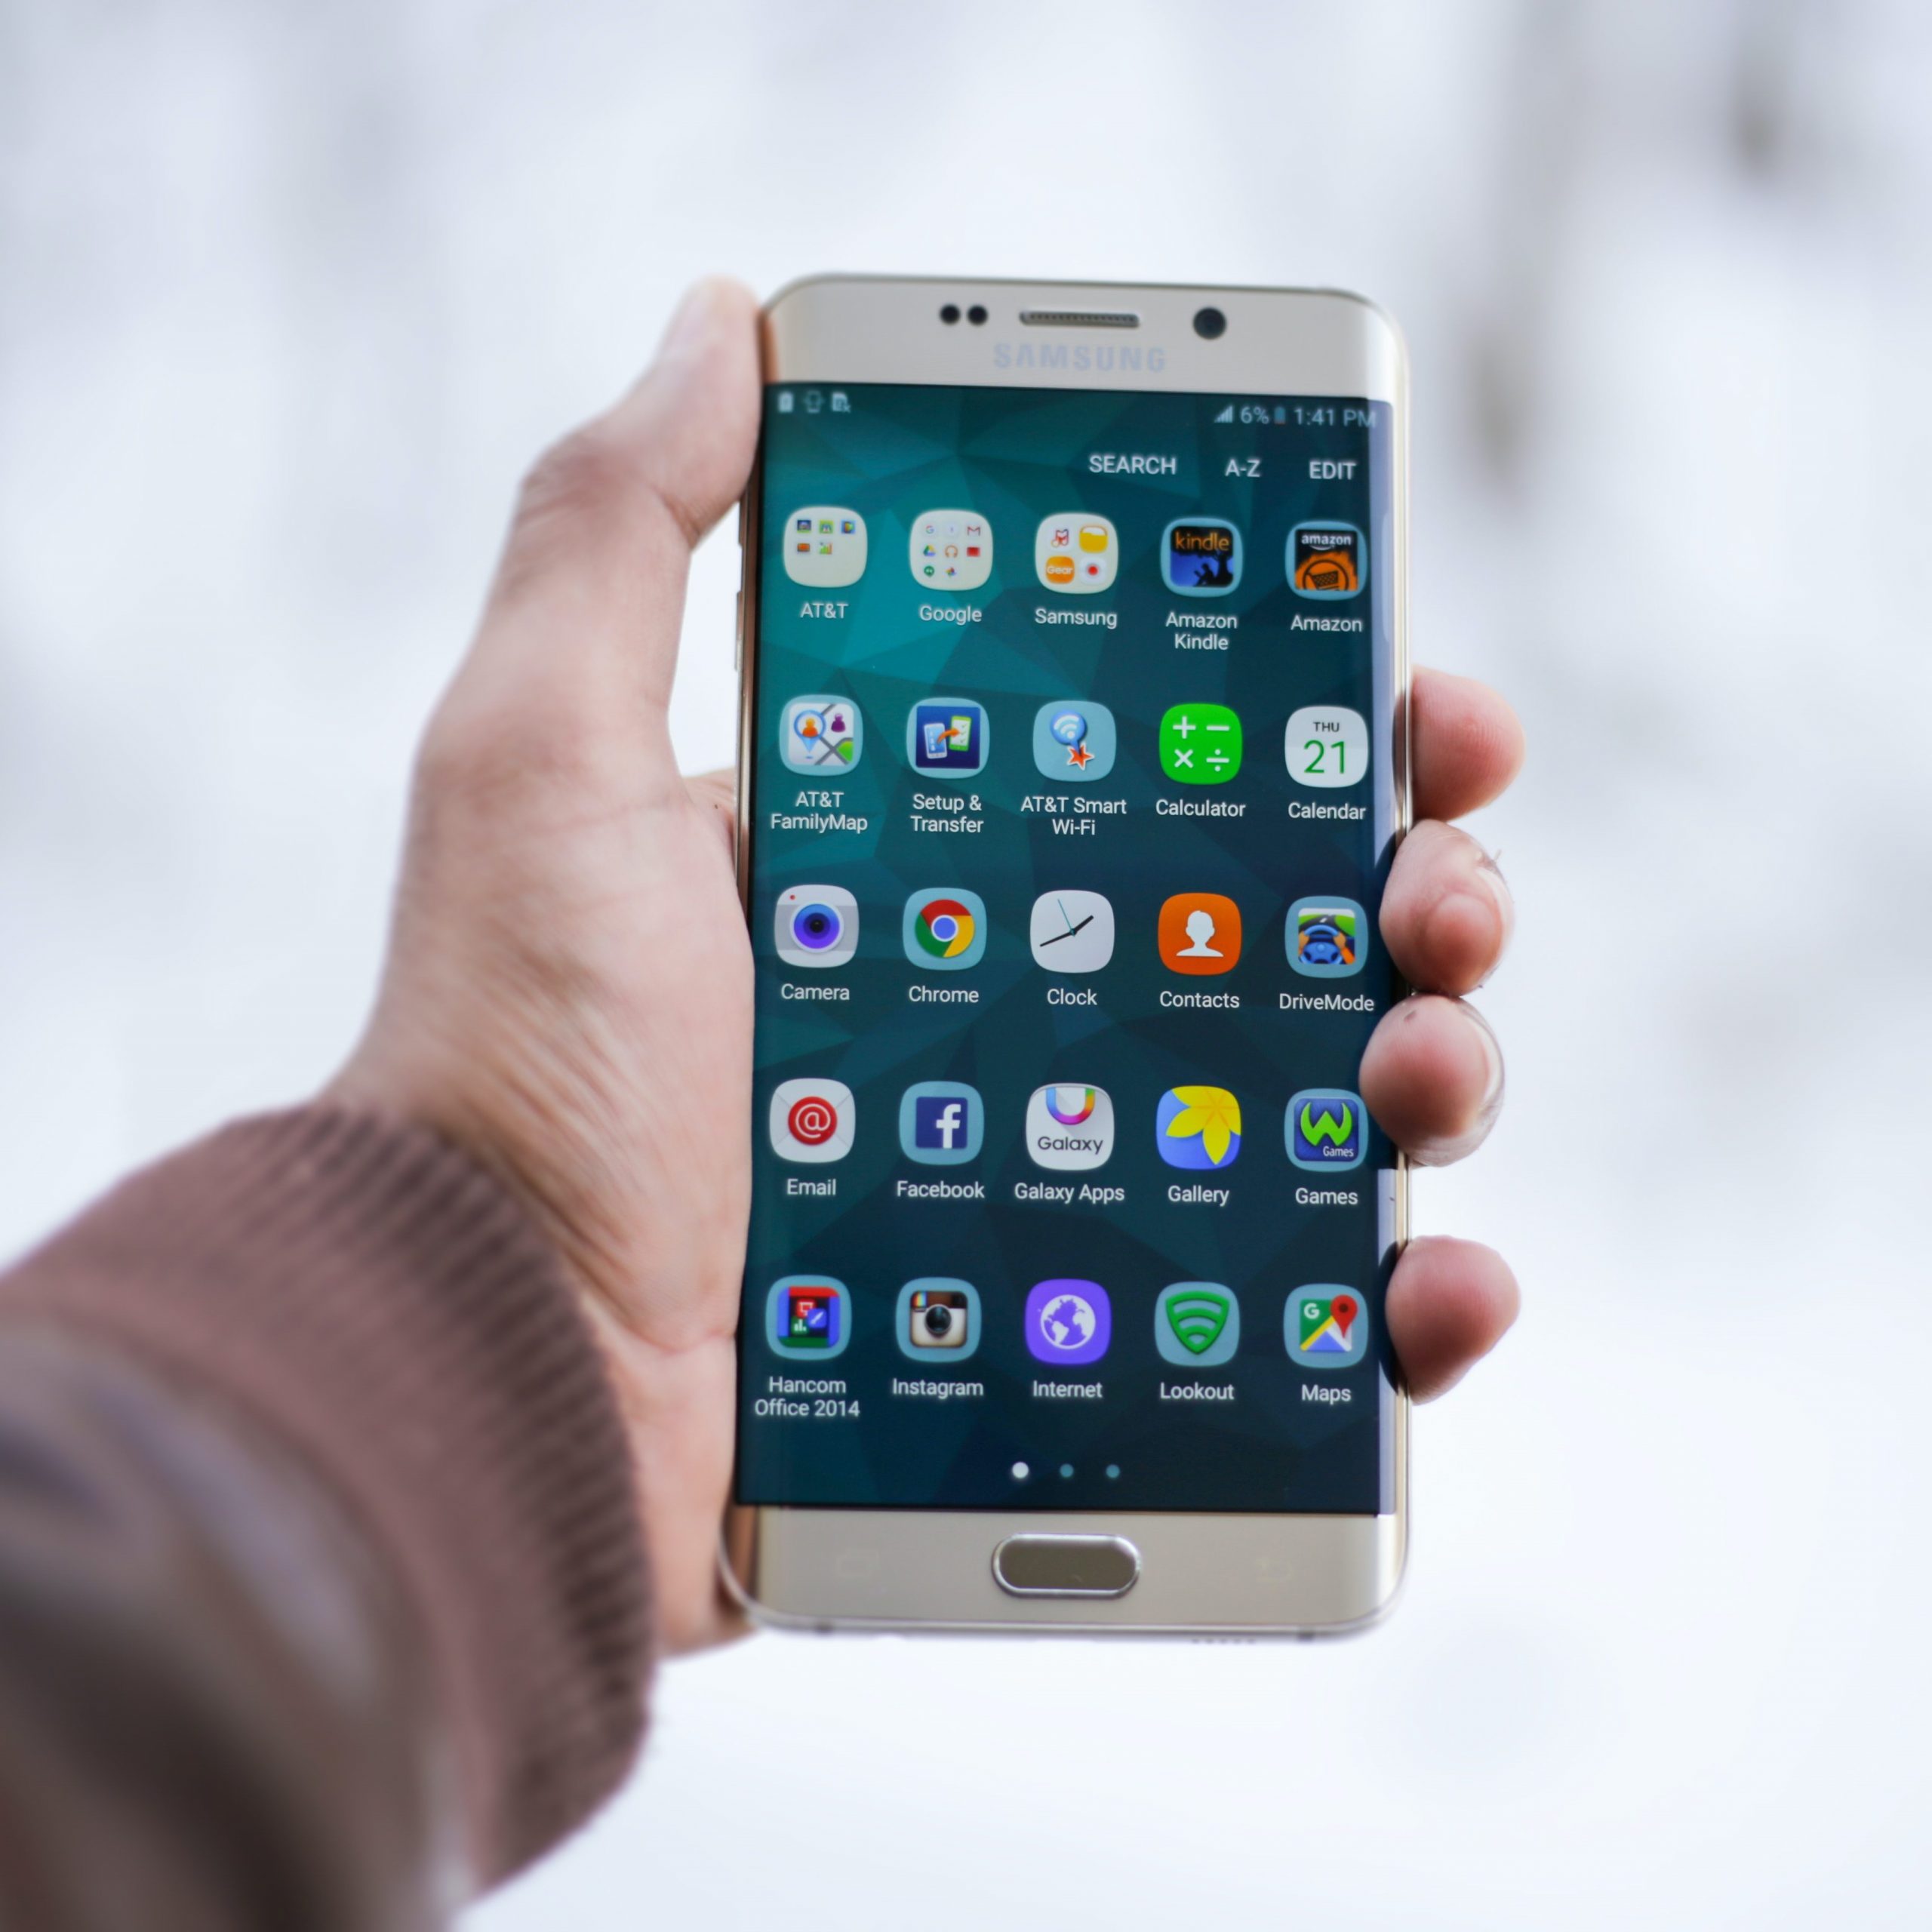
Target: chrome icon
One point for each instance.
(946, 930)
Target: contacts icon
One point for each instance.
(1199, 933)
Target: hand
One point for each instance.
(539, 1010)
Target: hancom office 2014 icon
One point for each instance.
(808, 1314)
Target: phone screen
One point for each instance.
(1073, 793)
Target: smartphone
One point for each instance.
(1073, 761)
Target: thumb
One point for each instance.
(581, 628)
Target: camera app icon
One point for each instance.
(938, 1319)
(815, 925)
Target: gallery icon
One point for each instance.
(1197, 1324)
(1071, 932)
(942, 1123)
(1327, 745)
(1076, 553)
(937, 1320)
(1325, 1327)
(1074, 741)
(1198, 1128)
(823, 735)
(1200, 743)
(1198, 932)
(824, 546)
(1200, 557)
(946, 737)
(1070, 1127)
(1327, 1129)
(944, 929)
(1326, 560)
(811, 1120)
(1068, 1322)
(815, 925)
(808, 1314)
(951, 549)
(1327, 939)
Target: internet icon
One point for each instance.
(1197, 1324)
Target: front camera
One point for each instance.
(1209, 323)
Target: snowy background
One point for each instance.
(289, 294)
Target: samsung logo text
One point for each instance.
(1077, 356)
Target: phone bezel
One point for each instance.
(1201, 1573)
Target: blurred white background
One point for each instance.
(289, 294)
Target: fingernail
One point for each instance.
(1497, 887)
(1492, 1092)
(688, 322)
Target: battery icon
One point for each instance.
(1281, 412)
(784, 402)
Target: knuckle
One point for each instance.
(502, 758)
(595, 481)
(572, 498)
(583, 473)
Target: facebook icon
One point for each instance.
(941, 1123)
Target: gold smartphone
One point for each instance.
(1072, 760)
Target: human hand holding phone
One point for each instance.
(568, 993)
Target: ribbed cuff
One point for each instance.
(363, 1292)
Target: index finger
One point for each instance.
(1465, 744)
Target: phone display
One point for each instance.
(1072, 788)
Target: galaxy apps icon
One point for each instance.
(1069, 1126)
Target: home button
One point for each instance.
(1036, 1566)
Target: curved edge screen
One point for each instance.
(1073, 796)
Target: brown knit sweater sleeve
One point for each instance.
(321, 1588)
